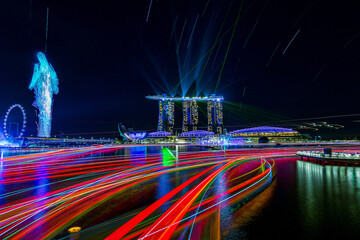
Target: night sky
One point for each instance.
(108, 58)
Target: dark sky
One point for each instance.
(107, 58)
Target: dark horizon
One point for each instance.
(282, 62)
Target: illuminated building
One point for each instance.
(195, 134)
(194, 115)
(44, 82)
(185, 125)
(136, 136)
(159, 134)
(190, 116)
(219, 117)
(170, 109)
(267, 134)
(210, 107)
(215, 116)
(161, 117)
(166, 115)
(220, 140)
(264, 131)
(190, 112)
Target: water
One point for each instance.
(307, 201)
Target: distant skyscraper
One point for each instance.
(210, 115)
(186, 116)
(219, 117)
(166, 116)
(190, 116)
(215, 116)
(170, 116)
(194, 115)
(161, 116)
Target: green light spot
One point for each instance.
(168, 157)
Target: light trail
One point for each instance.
(192, 32)
(291, 41)
(30, 17)
(202, 15)
(252, 30)
(319, 72)
(213, 205)
(147, 17)
(182, 32)
(173, 28)
(83, 181)
(208, 53)
(272, 55)
(228, 48)
(47, 27)
(217, 52)
(302, 14)
(351, 40)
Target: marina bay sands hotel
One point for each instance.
(190, 111)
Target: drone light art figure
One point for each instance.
(45, 83)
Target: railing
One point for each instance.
(333, 155)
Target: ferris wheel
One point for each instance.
(7, 135)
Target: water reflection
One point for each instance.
(237, 222)
(2, 185)
(329, 196)
(137, 154)
(164, 186)
(42, 188)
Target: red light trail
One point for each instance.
(43, 194)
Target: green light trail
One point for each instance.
(168, 157)
(216, 40)
(211, 49)
(227, 51)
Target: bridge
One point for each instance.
(65, 141)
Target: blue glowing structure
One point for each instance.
(159, 134)
(264, 131)
(211, 140)
(134, 136)
(195, 134)
(45, 83)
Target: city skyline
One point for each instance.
(281, 61)
(180, 119)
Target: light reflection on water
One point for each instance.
(306, 201)
(2, 187)
(41, 190)
(329, 196)
(244, 216)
